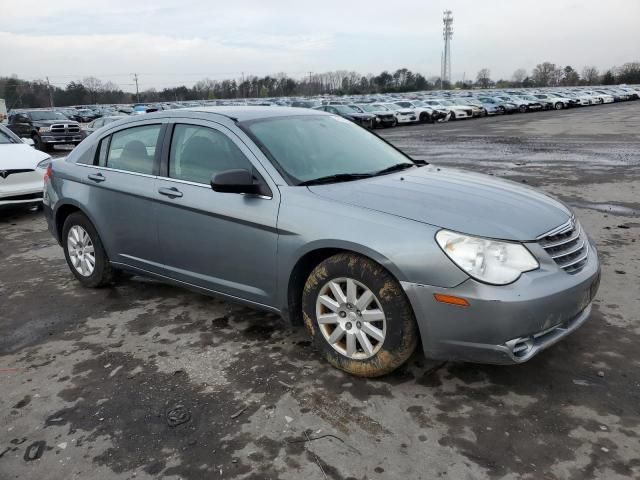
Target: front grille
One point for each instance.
(29, 196)
(568, 246)
(64, 128)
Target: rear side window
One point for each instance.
(197, 153)
(133, 149)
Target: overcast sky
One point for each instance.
(170, 42)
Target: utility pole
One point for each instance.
(310, 88)
(135, 79)
(50, 94)
(447, 34)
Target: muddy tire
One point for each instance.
(84, 252)
(358, 316)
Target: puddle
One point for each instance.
(615, 208)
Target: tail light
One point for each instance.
(47, 174)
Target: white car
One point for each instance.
(403, 115)
(457, 111)
(422, 113)
(604, 96)
(22, 170)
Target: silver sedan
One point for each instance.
(310, 216)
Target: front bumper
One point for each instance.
(34, 198)
(62, 139)
(505, 324)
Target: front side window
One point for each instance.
(198, 153)
(134, 149)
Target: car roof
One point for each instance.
(243, 114)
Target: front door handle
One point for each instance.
(96, 177)
(171, 192)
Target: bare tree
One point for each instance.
(484, 78)
(93, 86)
(590, 75)
(519, 75)
(546, 74)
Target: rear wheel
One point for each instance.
(424, 118)
(522, 108)
(358, 316)
(84, 252)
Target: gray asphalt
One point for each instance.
(146, 380)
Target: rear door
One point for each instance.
(121, 201)
(225, 242)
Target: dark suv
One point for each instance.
(46, 128)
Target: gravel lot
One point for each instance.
(149, 381)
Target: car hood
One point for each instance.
(360, 115)
(20, 156)
(48, 123)
(465, 202)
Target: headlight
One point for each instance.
(44, 164)
(490, 261)
(44, 129)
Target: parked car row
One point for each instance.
(70, 125)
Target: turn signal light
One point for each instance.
(451, 300)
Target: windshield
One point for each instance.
(316, 146)
(5, 137)
(379, 106)
(47, 115)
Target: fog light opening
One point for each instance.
(522, 347)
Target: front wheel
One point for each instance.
(522, 108)
(84, 252)
(39, 144)
(358, 316)
(559, 106)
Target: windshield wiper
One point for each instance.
(395, 168)
(340, 177)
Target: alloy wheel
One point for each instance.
(81, 251)
(351, 318)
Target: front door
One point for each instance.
(225, 242)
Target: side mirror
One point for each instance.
(29, 141)
(237, 181)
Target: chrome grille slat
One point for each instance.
(575, 261)
(568, 246)
(552, 244)
(573, 250)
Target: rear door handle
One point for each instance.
(171, 192)
(96, 177)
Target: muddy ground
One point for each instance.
(146, 380)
